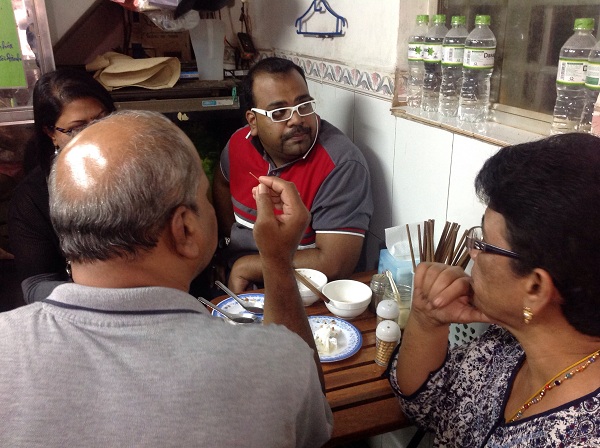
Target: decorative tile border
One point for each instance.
(364, 81)
(340, 75)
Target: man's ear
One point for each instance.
(540, 290)
(185, 232)
(251, 119)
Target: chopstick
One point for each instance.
(412, 254)
(447, 250)
(306, 282)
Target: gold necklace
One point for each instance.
(554, 382)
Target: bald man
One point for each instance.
(123, 356)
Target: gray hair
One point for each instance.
(127, 209)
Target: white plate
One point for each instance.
(349, 338)
(230, 305)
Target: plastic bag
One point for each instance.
(165, 20)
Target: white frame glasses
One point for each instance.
(292, 109)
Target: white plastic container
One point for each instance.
(208, 41)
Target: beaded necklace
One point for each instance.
(556, 381)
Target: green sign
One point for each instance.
(12, 72)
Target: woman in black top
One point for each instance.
(65, 101)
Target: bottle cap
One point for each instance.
(459, 20)
(482, 20)
(584, 24)
(388, 331)
(423, 18)
(388, 309)
(439, 18)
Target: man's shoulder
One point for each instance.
(239, 136)
(16, 320)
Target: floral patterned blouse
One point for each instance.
(463, 402)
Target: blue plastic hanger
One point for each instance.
(317, 6)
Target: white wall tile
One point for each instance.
(421, 173)
(468, 157)
(374, 134)
(334, 105)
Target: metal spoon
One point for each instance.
(395, 291)
(236, 318)
(253, 309)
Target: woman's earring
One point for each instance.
(527, 314)
(56, 149)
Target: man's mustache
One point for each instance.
(295, 131)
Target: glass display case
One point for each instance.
(25, 53)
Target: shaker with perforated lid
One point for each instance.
(387, 310)
(387, 336)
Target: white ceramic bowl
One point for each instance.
(317, 278)
(348, 298)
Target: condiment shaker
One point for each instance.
(378, 285)
(387, 336)
(387, 310)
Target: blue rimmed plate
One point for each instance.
(349, 339)
(230, 305)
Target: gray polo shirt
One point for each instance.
(150, 367)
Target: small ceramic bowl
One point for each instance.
(347, 298)
(317, 278)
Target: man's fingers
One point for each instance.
(264, 204)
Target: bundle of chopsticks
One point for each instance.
(448, 251)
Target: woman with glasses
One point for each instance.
(65, 101)
(533, 378)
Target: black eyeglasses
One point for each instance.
(72, 132)
(474, 242)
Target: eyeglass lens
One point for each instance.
(474, 242)
(285, 113)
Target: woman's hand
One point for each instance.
(442, 295)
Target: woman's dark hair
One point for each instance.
(52, 92)
(272, 65)
(548, 192)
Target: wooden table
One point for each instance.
(362, 402)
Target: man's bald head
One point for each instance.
(114, 187)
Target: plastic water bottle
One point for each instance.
(570, 78)
(453, 49)
(432, 60)
(592, 88)
(478, 65)
(415, 61)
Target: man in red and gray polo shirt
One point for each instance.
(286, 138)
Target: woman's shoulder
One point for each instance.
(33, 186)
